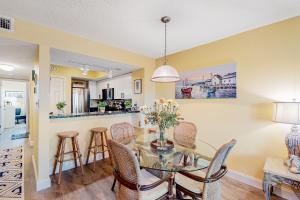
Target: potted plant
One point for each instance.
(101, 106)
(128, 104)
(60, 107)
(164, 114)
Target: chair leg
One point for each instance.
(89, 149)
(61, 160)
(109, 154)
(95, 153)
(79, 155)
(74, 152)
(57, 155)
(102, 146)
(113, 185)
(178, 194)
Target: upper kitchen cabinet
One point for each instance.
(122, 86)
(93, 90)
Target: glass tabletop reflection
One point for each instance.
(180, 158)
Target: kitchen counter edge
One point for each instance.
(91, 114)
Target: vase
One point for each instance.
(61, 112)
(162, 137)
(101, 109)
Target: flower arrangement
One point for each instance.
(163, 113)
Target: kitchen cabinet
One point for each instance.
(93, 90)
(122, 86)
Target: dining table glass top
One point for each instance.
(180, 158)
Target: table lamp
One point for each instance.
(289, 113)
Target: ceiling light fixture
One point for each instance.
(85, 70)
(165, 73)
(109, 74)
(7, 67)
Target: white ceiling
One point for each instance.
(135, 24)
(19, 54)
(64, 58)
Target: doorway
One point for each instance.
(14, 113)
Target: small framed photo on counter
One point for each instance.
(138, 86)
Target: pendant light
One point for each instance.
(165, 73)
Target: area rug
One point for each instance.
(11, 174)
(20, 136)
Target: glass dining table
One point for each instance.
(179, 159)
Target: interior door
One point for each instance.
(57, 92)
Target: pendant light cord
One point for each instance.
(165, 62)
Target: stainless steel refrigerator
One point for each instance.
(80, 99)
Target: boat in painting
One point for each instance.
(186, 91)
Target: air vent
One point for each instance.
(6, 24)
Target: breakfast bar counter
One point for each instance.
(88, 114)
(83, 123)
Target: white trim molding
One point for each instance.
(257, 183)
(70, 163)
(31, 142)
(40, 184)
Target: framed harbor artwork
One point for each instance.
(215, 82)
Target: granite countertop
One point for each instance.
(87, 114)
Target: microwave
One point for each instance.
(107, 93)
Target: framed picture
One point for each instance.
(16, 94)
(138, 86)
(216, 82)
(34, 76)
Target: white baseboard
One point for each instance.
(249, 180)
(257, 183)
(70, 164)
(43, 184)
(34, 167)
(40, 184)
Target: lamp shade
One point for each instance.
(287, 112)
(165, 73)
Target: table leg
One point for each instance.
(171, 184)
(267, 186)
(268, 192)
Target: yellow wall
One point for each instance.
(47, 38)
(33, 108)
(70, 72)
(268, 69)
(138, 98)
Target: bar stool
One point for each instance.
(59, 157)
(97, 132)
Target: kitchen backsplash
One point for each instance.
(112, 105)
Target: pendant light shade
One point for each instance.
(165, 73)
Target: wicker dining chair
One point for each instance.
(185, 134)
(134, 183)
(201, 185)
(122, 132)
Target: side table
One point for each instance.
(275, 174)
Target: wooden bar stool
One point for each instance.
(59, 157)
(97, 148)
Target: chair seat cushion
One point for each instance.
(155, 193)
(190, 184)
